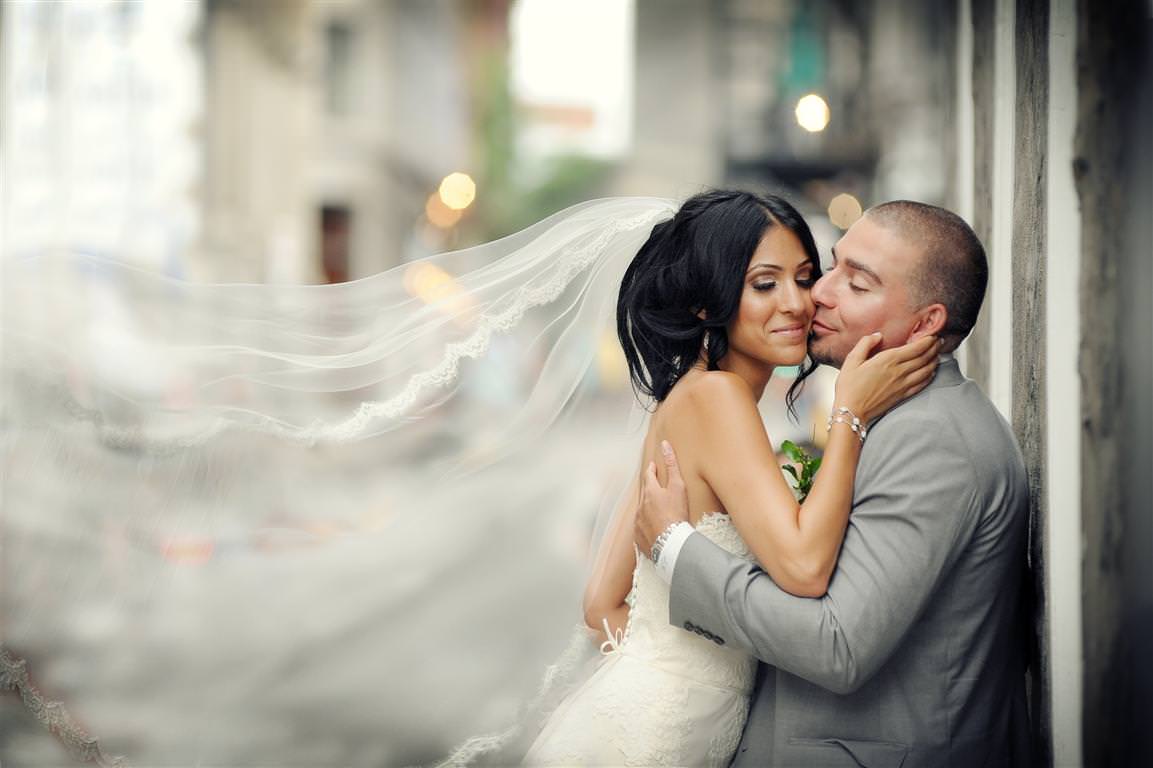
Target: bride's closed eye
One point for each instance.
(804, 282)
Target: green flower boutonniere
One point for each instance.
(802, 480)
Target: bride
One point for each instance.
(713, 302)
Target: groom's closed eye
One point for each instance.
(865, 272)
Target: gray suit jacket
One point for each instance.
(914, 656)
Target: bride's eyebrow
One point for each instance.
(777, 267)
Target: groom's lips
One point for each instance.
(821, 328)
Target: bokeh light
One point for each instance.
(812, 113)
(611, 363)
(457, 191)
(433, 285)
(844, 210)
(439, 214)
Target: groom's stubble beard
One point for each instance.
(824, 356)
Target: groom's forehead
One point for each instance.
(877, 248)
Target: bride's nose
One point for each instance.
(795, 300)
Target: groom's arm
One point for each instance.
(906, 530)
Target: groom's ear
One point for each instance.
(930, 321)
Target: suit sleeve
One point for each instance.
(915, 510)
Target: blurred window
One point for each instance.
(335, 242)
(338, 61)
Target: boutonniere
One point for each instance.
(802, 480)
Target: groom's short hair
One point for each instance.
(953, 269)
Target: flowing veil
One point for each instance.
(311, 525)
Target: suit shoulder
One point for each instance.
(956, 427)
(948, 413)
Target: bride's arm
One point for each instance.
(612, 575)
(797, 545)
(798, 550)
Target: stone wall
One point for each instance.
(1115, 184)
(1030, 262)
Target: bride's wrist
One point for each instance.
(844, 415)
(857, 405)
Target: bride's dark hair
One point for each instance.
(684, 286)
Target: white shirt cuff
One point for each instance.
(667, 560)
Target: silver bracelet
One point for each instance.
(842, 415)
(659, 543)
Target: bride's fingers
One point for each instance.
(914, 350)
(919, 379)
(861, 350)
(917, 387)
(927, 349)
(926, 362)
(927, 365)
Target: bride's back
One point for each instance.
(679, 420)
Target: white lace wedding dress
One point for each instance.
(662, 695)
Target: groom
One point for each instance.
(913, 656)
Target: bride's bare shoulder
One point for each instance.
(708, 390)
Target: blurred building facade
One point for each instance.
(327, 126)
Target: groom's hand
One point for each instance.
(660, 506)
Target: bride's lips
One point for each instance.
(796, 332)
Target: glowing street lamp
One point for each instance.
(812, 113)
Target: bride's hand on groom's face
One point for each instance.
(660, 505)
(871, 385)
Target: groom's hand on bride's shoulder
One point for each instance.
(660, 505)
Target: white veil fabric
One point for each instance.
(310, 525)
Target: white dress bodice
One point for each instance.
(649, 636)
(662, 695)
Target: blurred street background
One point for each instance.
(322, 141)
(326, 140)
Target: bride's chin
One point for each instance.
(792, 358)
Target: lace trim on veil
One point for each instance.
(571, 262)
(82, 745)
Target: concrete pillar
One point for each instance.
(678, 107)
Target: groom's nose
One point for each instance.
(821, 294)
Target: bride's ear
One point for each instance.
(702, 315)
(931, 321)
